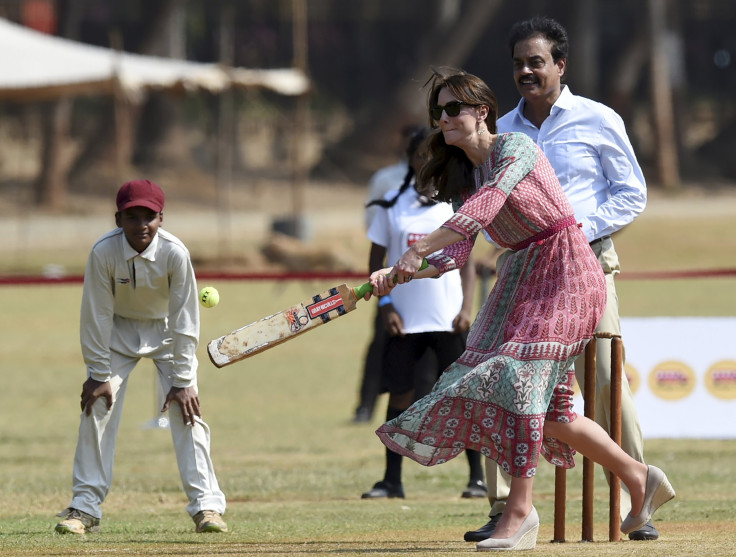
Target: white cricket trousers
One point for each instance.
(93, 461)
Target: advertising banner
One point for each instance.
(682, 372)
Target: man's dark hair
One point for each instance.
(546, 27)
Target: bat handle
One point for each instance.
(363, 289)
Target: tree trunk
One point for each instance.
(105, 156)
(455, 36)
(585, 59)
(666, 144)
(50, 187)
(628, 72)
(226, 126)
(140, 135)
(452, 50)
(158, 138)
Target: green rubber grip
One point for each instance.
(363, 289)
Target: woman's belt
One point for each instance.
(555, 228)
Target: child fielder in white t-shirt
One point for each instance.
(426, 321)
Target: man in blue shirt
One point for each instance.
(586, 143)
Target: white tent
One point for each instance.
(36, 66)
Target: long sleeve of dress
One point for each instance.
(511, 161)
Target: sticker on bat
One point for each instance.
(323, 307)
(296, 321)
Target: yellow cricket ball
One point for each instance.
(209, 296)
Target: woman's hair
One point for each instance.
(545, 27)
(416, 141)
(448, 171)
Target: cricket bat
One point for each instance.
(285, 325)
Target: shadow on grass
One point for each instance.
(371, 547)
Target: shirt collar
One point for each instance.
(149, 253)
(564, 102)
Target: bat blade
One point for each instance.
(274, 329)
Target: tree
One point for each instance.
(51, 185)
(455, 35)
(668, 164)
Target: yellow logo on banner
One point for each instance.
(720, 380)
(633, 377)
(672, 380)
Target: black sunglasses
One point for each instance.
(451, 109)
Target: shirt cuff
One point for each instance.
(443, 263)
(101, 376)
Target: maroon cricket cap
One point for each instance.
(140, 193)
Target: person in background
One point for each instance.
(426, 322)
(587, 145)
(383, 180)
(140, 301)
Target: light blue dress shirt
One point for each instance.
(587, 145)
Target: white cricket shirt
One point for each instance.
(384, 180)
(425, 305)
(153, 292)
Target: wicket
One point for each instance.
(614, 519)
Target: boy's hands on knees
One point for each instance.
(188, 401)
(91, 391)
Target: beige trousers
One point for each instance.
(632, 440)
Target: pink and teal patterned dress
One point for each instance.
(516, 371)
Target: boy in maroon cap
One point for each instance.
(140, 300)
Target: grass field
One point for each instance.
(287, 455)
(289, 459)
